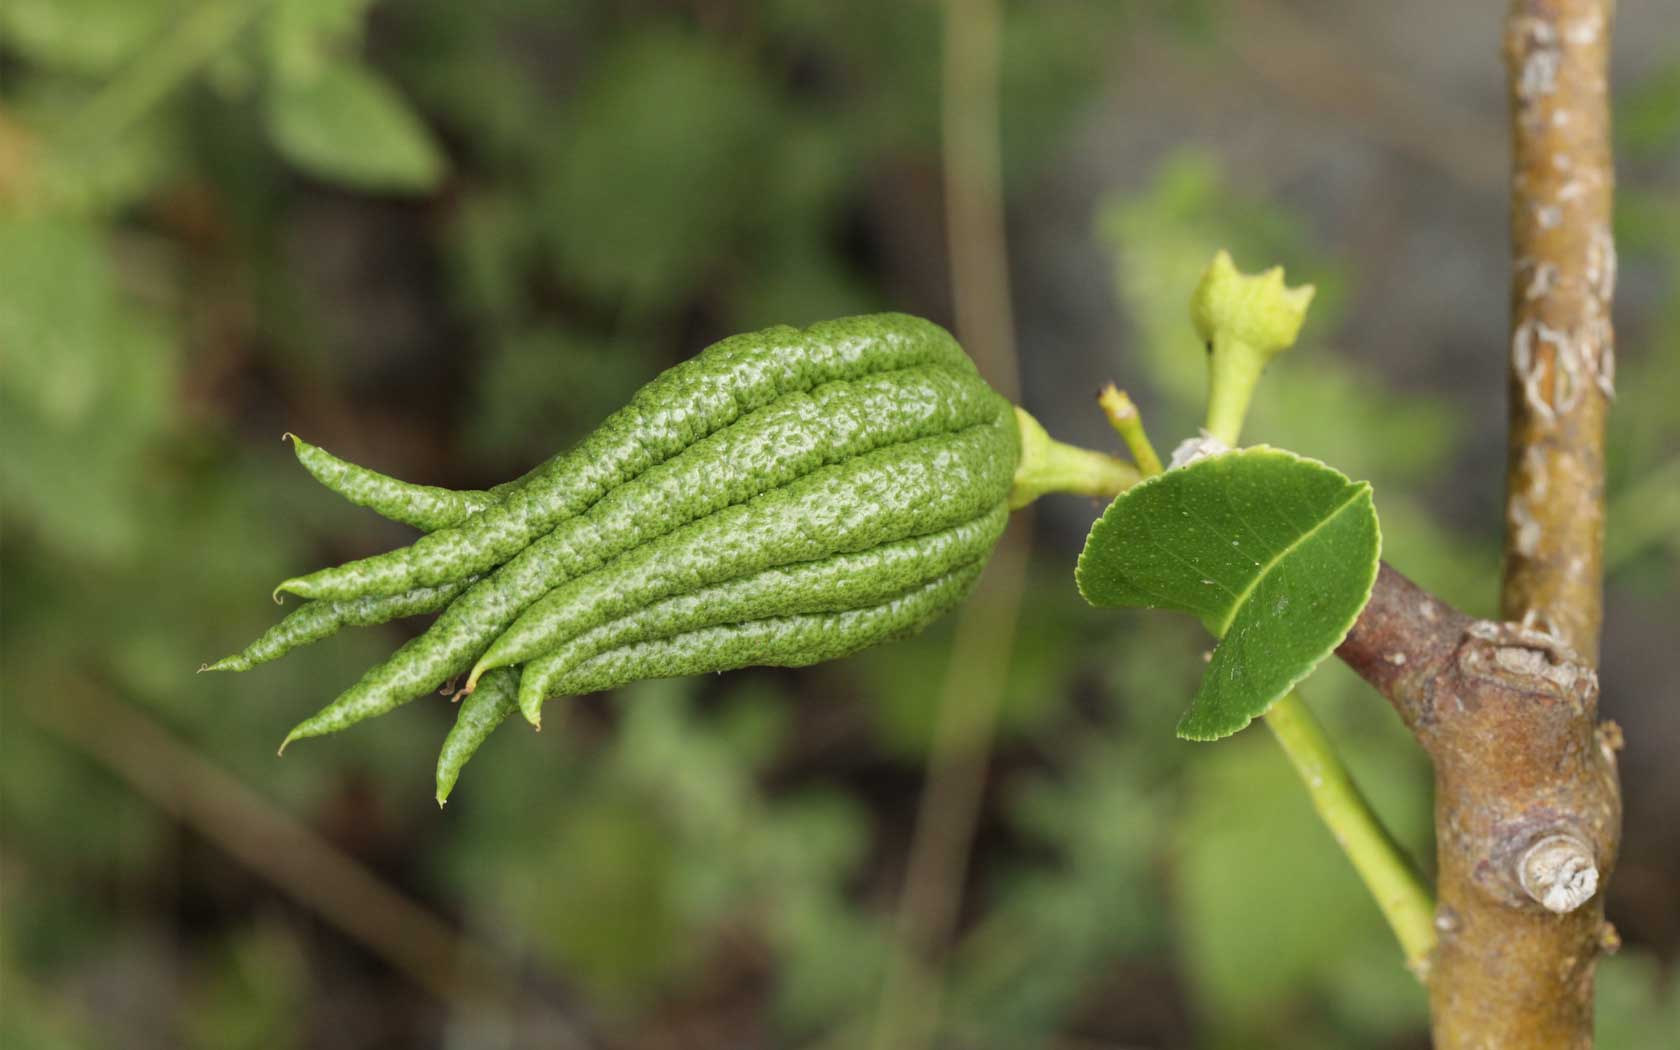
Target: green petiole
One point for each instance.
(1245, 321)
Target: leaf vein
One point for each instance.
(1295, 544)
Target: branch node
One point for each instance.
(1517, 651)
(1610, 737)
(1559, 872)
(1608, 939)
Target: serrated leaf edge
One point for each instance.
(1361, 489)
(1079, 565)
(1370, 585)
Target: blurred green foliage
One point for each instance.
(87, 388)
(446, 238)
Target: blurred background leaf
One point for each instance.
(342, 122)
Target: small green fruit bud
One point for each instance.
(1245, 320)
(1257, 310)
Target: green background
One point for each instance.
(445, 239)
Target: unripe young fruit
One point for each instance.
(782, 498)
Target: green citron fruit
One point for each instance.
(784, 497)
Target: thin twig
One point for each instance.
(1521, 766)
(1380, 862)
(1562, 353)
(176, 779)
(196, 38)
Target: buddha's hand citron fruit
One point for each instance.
(785, 497)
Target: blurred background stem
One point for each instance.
(195, 40)
(907, 1017)
(169, 774)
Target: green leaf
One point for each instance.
(1267, 916)
(348, 125)
(1636, 1003)
(671, 148)
(1648, 117)
(83, 36)
(88, 376)
(1275, 553)
(302, 35)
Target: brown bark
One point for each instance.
(1527, 806)
(1508, 716)
(1562, 345)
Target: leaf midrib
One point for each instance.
(1358, 489)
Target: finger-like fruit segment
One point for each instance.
(835, 584)
(783, 498)
(780, 641)
(426, 507)
(686, 404)
(314, 621)
(486, 708)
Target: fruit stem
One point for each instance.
(1048, 465)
